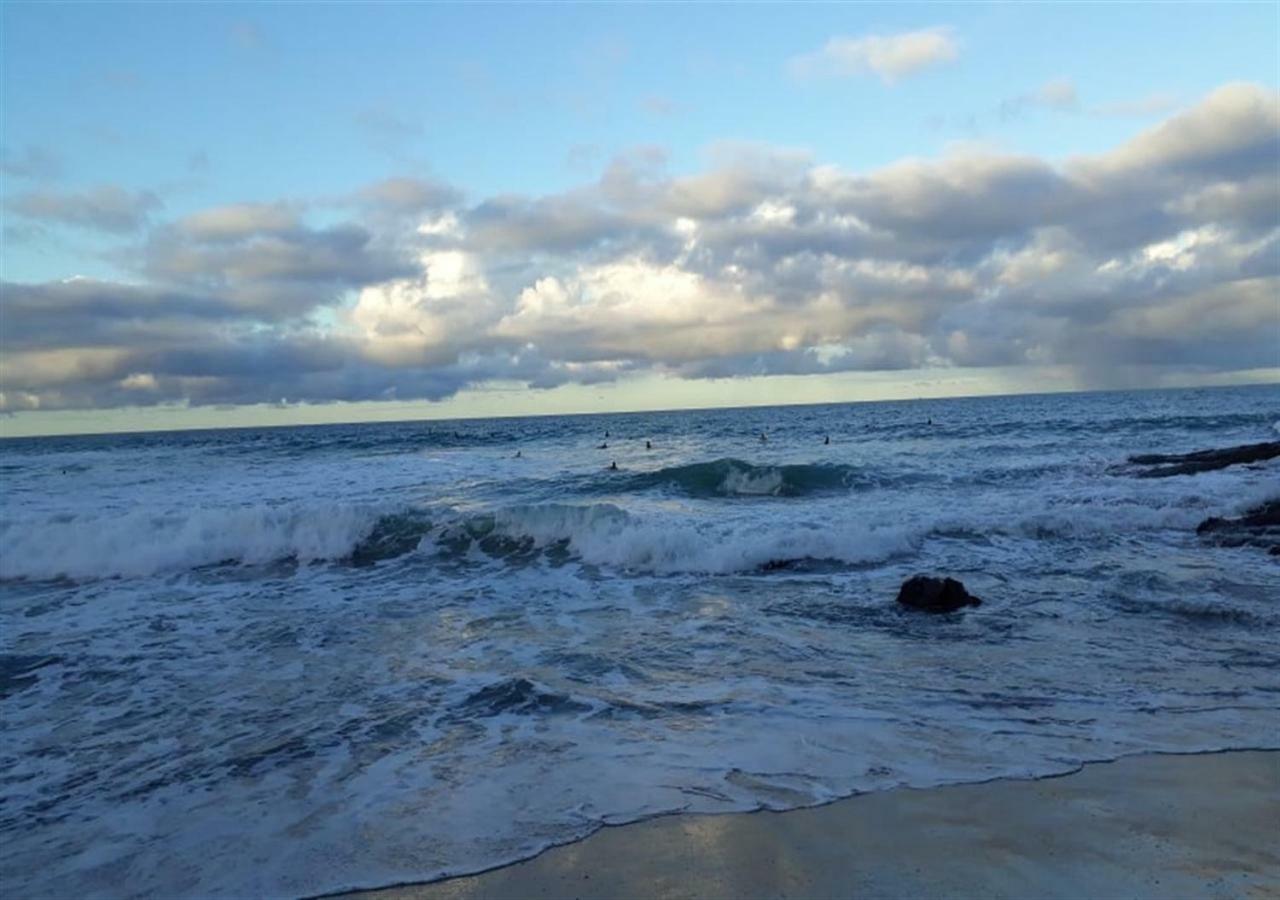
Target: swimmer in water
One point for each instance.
(763, 439)
(613, 466)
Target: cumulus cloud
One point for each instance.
(890, 56)
(262, 258)
(107, 208)
(1164, 251)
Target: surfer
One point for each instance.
(613, 466)
(763, 439)
(648, 446)
(604, 446)
(517, 454)
(826, 440)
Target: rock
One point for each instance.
(1259, 526)
(1164, 465)
(939, 595)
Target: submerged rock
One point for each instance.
(935, 594)
(1259, 526)
(1164, 465)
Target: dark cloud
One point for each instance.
(262, 259)
(85, 312)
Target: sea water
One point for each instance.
(289, 661)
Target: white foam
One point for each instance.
(144, 542)
(602, 534)
(766, 482)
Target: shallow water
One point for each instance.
(287, 661)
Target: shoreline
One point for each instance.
(1148, 825)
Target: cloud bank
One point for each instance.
(1164, 251)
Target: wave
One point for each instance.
(603, 534)
(141, 543)
(735, 478)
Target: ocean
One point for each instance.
(282, 662)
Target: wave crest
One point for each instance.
(605, 535)
(735, 477)
(143, 543)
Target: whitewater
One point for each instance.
(284, 662)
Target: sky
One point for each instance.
(226, 214)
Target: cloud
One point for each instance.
(107, 208)
(405, 196)
(262, 259)
(238, 221)
(890, 56)
(1233, 131)
(1161, 252)
(32, 162)
(1058, 95)
(1150, 105)
(388, 131)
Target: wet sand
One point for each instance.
(1204, 825)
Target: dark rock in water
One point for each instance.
(935, 594)
(1164, 465)
(1260, 527)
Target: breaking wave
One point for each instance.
(603, 534)
(144, 543)
(734, 477)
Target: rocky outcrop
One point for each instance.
(936, 595)
(1258, 527)
(1164, 465)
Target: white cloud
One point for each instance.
(1150, 105)
(890, 56)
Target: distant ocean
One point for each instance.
(288, 661)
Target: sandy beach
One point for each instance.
(1201, 825)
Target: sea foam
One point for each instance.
(145, 543)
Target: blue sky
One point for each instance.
(192, 107)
